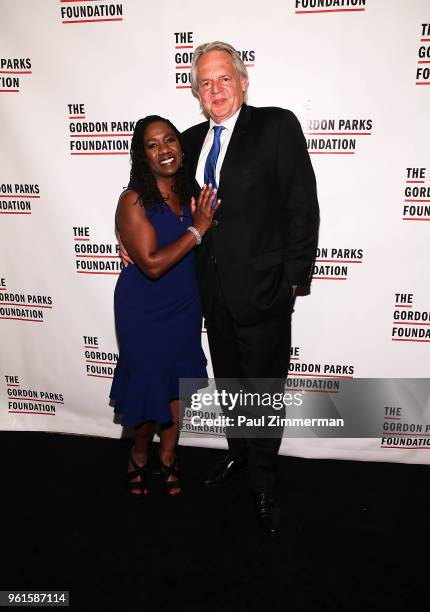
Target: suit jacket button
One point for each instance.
(215, 223)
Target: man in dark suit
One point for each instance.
(260, 249)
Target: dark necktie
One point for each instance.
(211, 160)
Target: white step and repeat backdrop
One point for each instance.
(76, 75)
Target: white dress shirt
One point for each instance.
(207, 144)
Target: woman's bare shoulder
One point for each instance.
(130, 207)
(129, 197)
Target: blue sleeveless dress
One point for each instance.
(158, 325)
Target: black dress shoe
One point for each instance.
(268, 512)
(223, 471)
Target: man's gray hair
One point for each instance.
(215, 46)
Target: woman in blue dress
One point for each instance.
(157, 304)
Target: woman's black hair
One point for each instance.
(141, 178)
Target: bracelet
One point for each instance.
(196, 233)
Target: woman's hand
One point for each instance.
(204, 209)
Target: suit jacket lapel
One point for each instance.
(236, 155)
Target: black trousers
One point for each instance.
(259, 351)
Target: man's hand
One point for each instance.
(123, 253)
(301, 291)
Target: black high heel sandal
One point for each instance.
(171, 470)
(139, 485)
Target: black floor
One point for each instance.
(354, 535)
